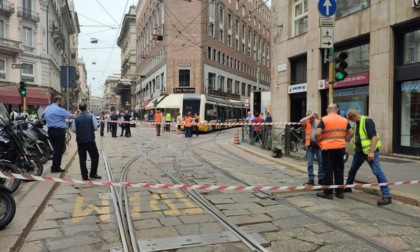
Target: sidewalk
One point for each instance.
(396, 169)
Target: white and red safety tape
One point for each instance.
(196, 187)
(205, 123)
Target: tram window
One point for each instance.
(191, 106)
(210, 112)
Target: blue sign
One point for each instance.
(327, 7)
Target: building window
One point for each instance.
(209, 53)
(347, 7)
(222, 15)
(298, 70)
(28, 74)
(212, 79)
(412, 47)
(230, 21)
(410, 114)
(221, 84)
(300, 17)
(229, 86)
(249, 91)
(243, 89)
(229, 40)
(237, 87)
(184, 78)
(27, 36)
(1, 29)
(222, 35)
(211, 30)
(212, 18)
(2, 69)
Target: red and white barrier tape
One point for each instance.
(205, 123)
(197, 187)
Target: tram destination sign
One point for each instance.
(184, 90)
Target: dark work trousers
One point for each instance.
(58, 140)
(102, 128)
(333, 166)
(157, 129)
(114, 129)
(127, 129)
(168, 126)
(195, 130)
(122, 129)
(89, 147)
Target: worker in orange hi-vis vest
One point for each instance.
(196, 124)
(158, 120)
(188, 125)
(331, 134)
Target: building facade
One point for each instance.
(127, 42)
(112, 100)
(84, 92)
(382, 41)
(205, 47)
(96, 104)
(36, 38)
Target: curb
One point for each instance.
(406, 198)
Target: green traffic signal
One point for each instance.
(341, 74)
(22, 88)
(22, 92)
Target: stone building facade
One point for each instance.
(382, 41)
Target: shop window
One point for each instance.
(300, 17)
(184, 78)
(28, 74)
(410, 114)
(412, 47)
(347, 7)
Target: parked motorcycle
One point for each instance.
(7, 207)
(13, 147)
(33, 143)
(11, 184)
(42, 134)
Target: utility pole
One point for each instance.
(331, 75)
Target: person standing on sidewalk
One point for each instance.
(158, 121)
(196, 126)
(366, 145)
(311, 122)
(85, 126)
(114, 124)
(55, 116)
(179, 123)
(126, 124)
(331, 135)
(168, 120)
(188, 124)
(102, 123)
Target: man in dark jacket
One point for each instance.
(126, 124)
(114, 119)
(85, 125)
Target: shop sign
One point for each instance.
(281, 68)
(350, 80)
(415, 4)
(184, 90)
(297, 88)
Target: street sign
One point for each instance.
(326, 22)
(327, 7)
(17, 66)
(326, 37)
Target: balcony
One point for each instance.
(28, 14)
(10, 47)
(7, 9)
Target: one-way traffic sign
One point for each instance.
(327, 7)
(326, 37)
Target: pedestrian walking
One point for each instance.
(196, 124)
(158, 121)
(331, 135)
(114, 123)
(366, 145)
(258, 127)
(85, 125)
(102, 123)
(313, 150)
(168, 121)
(179, 123)
(188, 125)
(55, 116)
(126, 124)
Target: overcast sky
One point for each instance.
(101, 19)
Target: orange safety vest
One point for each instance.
(334, 134)
(188, 121)
(308, 129)
(197, 121)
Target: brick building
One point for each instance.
(205, 47)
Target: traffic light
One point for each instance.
(340, 72)
(22, 88)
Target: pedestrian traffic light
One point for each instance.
(22, 88)
(341, 73)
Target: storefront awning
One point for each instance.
(10, 95)
(410, 85)
(146, 103)
(351, 91)
(151, 104)
(173, 101)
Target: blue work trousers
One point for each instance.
(311, 152)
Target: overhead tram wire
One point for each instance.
(116, 38)
(87, 34)
(108, 12)
(110, 26)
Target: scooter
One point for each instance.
(7, 207)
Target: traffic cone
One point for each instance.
(236, 138)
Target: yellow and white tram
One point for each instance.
(212, 110)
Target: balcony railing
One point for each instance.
(10, 46)
(28, 14)
(7, 8)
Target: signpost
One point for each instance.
(328, 8)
